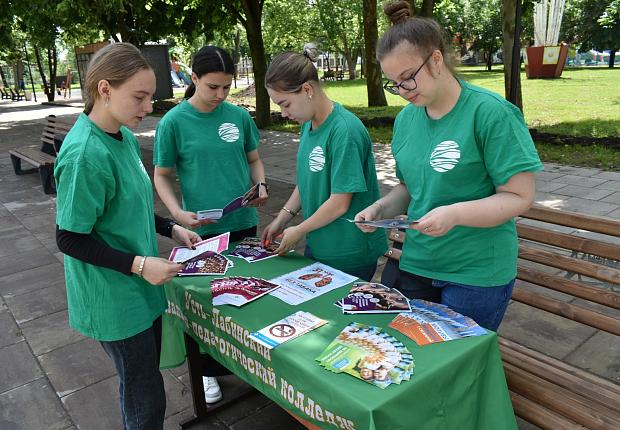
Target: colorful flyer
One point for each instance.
(181, 254)
(288, 328)
(430, 322)
(309, 282)
(386, 223)
(207, 263)
(233, 205)
(371, 297)
(251, 250)
(239, 290)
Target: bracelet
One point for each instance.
(264, 185)
(141, 267)
(284, 208)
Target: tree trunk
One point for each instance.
(489, 58)
(427, 8)
(508, 39)
(351, 63)
(374, 87)
(253, 12)
(52, 64)
(4, 82)
(37, 55)
(612, 57)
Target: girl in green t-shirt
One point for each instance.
(465, 161)
(106, 229)
(336, 174)
(212, 145)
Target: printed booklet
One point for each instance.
(370, 297)
(287, 328)
(430, 322)
(239, 290)
(369, 354)
(233, 205)
(309, 282)
(182, 254)
(207, 263)
(251, 250)
(386, 223)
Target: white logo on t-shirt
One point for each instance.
(316, 160)
(445, 156)
(228, 132)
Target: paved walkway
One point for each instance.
(53, 378)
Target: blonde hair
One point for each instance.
(114, 63)
(290, 70)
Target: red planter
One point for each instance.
(545, 61)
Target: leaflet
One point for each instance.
(386, 223)
(371, 297)
(207, 263)
(182, 254)
(233, 205)
(287, 328)
(239, 290)
(251, 250)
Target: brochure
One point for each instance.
(251, 250)
(182, 254)
(309, 282)
(239, 290)
(287, 328)
(430, 322)
(233, 205)
(371, 297)
(386, 223)
(369, 354)
(207, 263)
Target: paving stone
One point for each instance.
(9, 331)
(31, 280)
(272, 417)
(19, 262)
(600, 355)
(578, 171)
(33, 406)
(96, 407)
(38, 303)
(211, 422)
(583, 192)
(610, 185)
(614, 214)
(543, 331)
(547, 176)
(18, 366)
(580, 180)
(549, 187)
(40, 224)
(50, 332)
(590, 207)
(612, 198)
(178, 396)
(9, 222)
(75, 366)
(612, 176)
(17, 240)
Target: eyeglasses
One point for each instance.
(408, 84)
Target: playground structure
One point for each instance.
(546, 59)
(180, 76)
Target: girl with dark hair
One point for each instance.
(465, 160)
(336, 174)
(212, 145)
(106, 228)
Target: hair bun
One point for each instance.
(398, 11)
(311, 52)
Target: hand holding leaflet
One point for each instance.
(385, 223)
(233, 205)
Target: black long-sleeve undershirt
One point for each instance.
(86, 248)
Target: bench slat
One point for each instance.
(538, 415)
(567, 286)
(33, 155)
(569, 241)
(593, 270)
(583, 411)
(596, 224)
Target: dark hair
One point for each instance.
(210, 59)
(424, 34)
(290, 70)
(114, 63)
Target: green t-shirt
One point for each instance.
(337, 158)
(103, 189)
(480, 144)
(209, 152)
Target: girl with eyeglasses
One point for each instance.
(465, 160)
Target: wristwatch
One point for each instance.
(264, 185)
(169, 225)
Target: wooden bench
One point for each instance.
(582, 263)
(42, 157)
(16, 95)
(5, 94)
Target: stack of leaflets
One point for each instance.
(287, 328)
(430, 322)
(207, 263)
(309, 282)
(386, 223)
(233, 205)
(370, 297)
(368, 354)
(251, 250)
(182, 254)
(238, 290)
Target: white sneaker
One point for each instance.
(213, 393)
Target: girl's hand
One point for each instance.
(290, 238)
(262, 197)
(270, 232)
(438, 221)
(157, 271)
(190, 219)
(184, 236)
(371, 213)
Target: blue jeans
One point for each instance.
(485, 305)
(366, 273)
(141, 386)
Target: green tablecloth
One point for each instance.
(456, 385)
